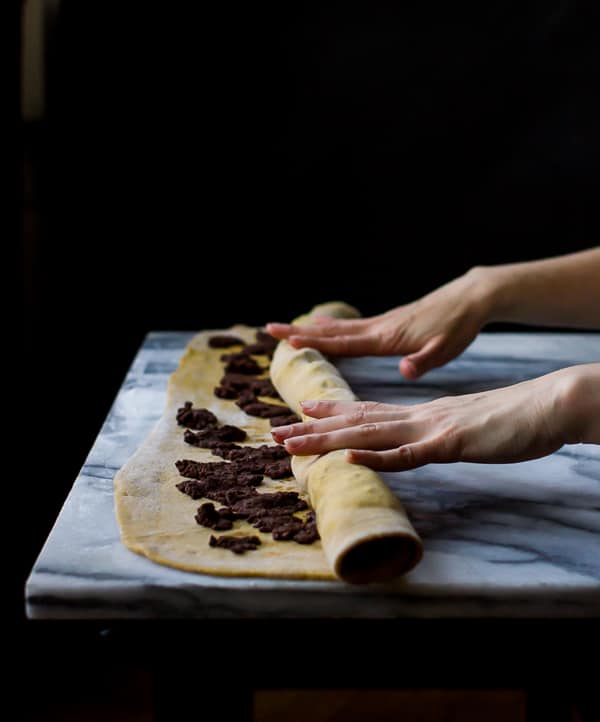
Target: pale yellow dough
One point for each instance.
(157, 520)
(366, 536)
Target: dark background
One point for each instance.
(240, 162)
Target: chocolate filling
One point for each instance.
(226, 392)
(237, 381)
(231, 384)
(224, 341)
(274, 512)
(232, 483)
(264, 387)
(233, 487)
(253, 407)
(257, 349)
(240, 363)
(268, 342)
(279, 469)
(228, 497)
(274, 461)
(308, 534)
(195, 418)
(276, 502)
(237, 544)
(209, 479)
(285, 420)
(218, 519)
(209, 438)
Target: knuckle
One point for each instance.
(340, 345)
(323, 329)
(367, 429)
(406, 456)
(379, 339)
(357, 416)
(451, 442)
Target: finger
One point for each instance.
(321, 409)
(408, 456)
(279, 330)
(336, 326)
(383, 435)
(280, 433)
(326, 327)
(354, 345)
(429, 356)
(341, 421)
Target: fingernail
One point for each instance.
(352, 457)
(291, 444)
(281, 432)
(308, 405)
(412, 369)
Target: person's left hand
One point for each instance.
(524, 421)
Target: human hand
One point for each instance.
(429, 332)
(524, 421)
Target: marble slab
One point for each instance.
(514, 540)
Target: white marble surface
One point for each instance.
(500, 540)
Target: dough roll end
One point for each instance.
(365, 533)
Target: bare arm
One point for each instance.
(429, 332)
(561, 291)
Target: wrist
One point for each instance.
(579, 404)
(489, 293)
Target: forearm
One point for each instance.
(561, 291)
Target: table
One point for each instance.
(512, 552)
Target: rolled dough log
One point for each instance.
(365, 532)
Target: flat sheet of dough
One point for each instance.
(157, 520)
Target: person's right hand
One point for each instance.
(429, 332)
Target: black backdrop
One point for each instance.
(239, 162)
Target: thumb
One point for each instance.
(428, 357)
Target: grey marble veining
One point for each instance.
(500, 540)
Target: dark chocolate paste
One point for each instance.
(285, 420)
(237, 544)
(256, 349)
(274, 461)
(240, 363)
(253, 407)
(232, 384)
(224, 341)
(209, 438)
(195, 418)
(217, 519)
(225, 483)
(232, 483)
(268, 342)
(226, 392)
